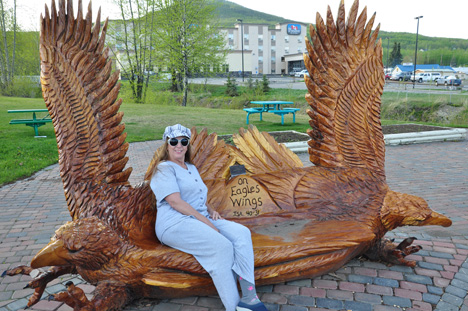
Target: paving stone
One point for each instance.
(357, 306)
(209, 302)
(459, 292)
(421, 279)
(325, 284)
(274, 298)
(422, 306)
(286, 289)
(360, 279)
(445, 306)
(441, 255)
(350, 286)
(329, 303)
(395, 275)
(386, 282)
(405, 293)
(434, 290)
(397, 301)
(432, 299)
(339, 294)
(294, 308)
(379, 290)
(386, 308)
(301, 300)
(431, 266)
(313, 292)
(458, 283)
(452, 299)
(370, 298)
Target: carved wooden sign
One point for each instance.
(305, 221)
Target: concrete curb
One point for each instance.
(402, 139)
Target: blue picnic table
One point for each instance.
(275, 106)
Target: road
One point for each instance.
(298, 84)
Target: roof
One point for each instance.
(431, 67)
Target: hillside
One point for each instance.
(229, 12)
(432, 50)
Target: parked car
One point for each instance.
(387, 76)
(294, 71)
(426, 77)
(401, 76)
(302, 73)
(448, 81)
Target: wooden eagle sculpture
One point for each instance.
(305, 221)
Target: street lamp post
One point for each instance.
(242, 46)
(416, 51)
(388, 41)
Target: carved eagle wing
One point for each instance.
(80, 93)
(345, 85)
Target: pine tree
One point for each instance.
(231, 86)
(265, 84)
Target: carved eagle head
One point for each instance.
(88, 243)
(401, 209)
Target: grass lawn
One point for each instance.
(21, 154)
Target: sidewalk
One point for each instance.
(31, 210)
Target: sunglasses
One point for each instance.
(174, 141)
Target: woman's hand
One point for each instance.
(215, 215)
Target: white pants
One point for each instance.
(220, 254)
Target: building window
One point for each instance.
(231, 36)
(286, 50)
(231, 47)
(226, 68)
(286, 39)
(273, 37)
(273, 59)
(260, 38)
(273, 49)
(299, 39)
(246, 36)
(260, 59)
(299, 50)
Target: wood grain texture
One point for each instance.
(305, 221)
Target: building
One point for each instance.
(443, 70)
(265, 50)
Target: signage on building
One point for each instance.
(294, 29)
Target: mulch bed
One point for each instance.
(289, 136)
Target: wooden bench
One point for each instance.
(285, 111)
(35, 122)
(254, 110)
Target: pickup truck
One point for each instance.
(448, 81)
(426, 77)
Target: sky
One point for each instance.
(447, 19)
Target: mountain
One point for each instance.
(431, 50)
(228, 13)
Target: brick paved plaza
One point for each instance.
(31, 210)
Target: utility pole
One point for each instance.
(416, 51)
(242, 46)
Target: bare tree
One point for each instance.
(8, 30)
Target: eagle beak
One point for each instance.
(54, 254)
(438, 220)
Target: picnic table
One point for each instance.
(275, 107)
(35, 122)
